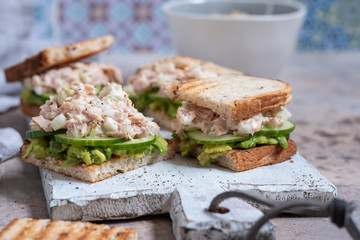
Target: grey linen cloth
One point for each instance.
(10, 143)
(9, 94)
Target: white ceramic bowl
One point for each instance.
(258, 42)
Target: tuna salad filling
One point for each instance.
(199, 127)
(38, 88)
(83, 127)
(149, 87)
(208, 121)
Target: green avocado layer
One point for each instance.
(28, 96)
(48, 146)
(210, 152)
(155, 102)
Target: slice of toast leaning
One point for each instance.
(56, 56)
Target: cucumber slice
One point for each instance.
(89, 141)
(203, 138)
(42, 133)
(134, 143)
(285, 129)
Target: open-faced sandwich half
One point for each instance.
(149, 87)
(44, 74)
(236, 122)
(92, 136)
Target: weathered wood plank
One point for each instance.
(147, 190)
(191, 220)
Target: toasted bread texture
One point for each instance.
(177, 69)
(46, 229)
(161, 119)
(98, 172)
(31, 110)
(242, 160)
(234, 98)
(56, 56)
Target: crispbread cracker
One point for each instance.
(55, 56)
(45, 229)
(241, 160)
(234, 98)
(97, 172)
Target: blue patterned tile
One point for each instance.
(98, 30)
(140, 25)
(143, 33)
(43, 18)
(158, 13)
(77, 12)
(121, 12)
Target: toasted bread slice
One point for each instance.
(180, 69)
(241, 160)
(55, 56)
(234, 98)
(31, 110)
(98, 172)
(46, 229)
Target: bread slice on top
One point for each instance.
(46, 229)
(56, 56)
(234, 98)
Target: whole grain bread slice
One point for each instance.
(242, 160)
(56, 56)
(46, 229)
(234, 98)
(98, 172)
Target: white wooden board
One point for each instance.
(192, 220)
(148, 190)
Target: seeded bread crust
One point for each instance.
(46, 229)
(234, 98)
(97, 172)
(56, 56)
(242, 160)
